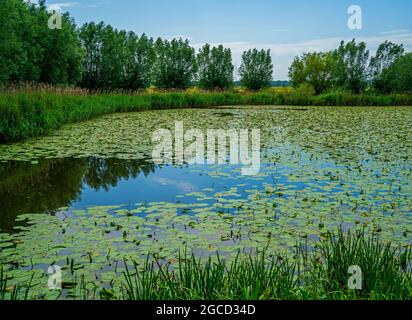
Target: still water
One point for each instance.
(90, 192)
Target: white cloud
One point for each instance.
(181, 185)
(395, 31)
(58, 7)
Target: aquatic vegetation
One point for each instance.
(15, 292)
(316, 272)
(323, 168)
(305, 275)
(32, 113)
(384, 277)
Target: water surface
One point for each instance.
(91, 194)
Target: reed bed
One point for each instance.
(319, 274)
(316, 273)
(31, 111)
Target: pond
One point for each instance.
(90, 195)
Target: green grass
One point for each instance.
(26, 113)
(321, 274)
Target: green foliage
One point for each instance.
(90, 36)
(112, 58)
(175, 64)
(31, 113)
(10, 38)
(314, 69)
(62, 54)
(387, 54)
(12, 292)
(398, 77)
(385, 273)
(312, 273)
(256, 70)
(350, 70)
(115, 59)
(31, 52)
(97, 56)
(249, 277)
(215, 68)
(309, 275)
(140, 56)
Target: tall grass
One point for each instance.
(247, 278)
(386, 270)
(30, 112)
(319, 274)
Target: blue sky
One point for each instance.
(288, 28)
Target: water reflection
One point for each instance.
(52, 184)
(106, 173)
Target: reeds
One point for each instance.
(318, 274)
(28, 111)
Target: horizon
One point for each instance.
(287, 29)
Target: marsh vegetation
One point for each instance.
(89, 199)
(80, 191)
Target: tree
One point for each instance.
(62, 53)
(314, 69)
(350, 69)
(215, 68)
(387, 54)
(256, 69)
(140, 56)
(399, 75)
(91, 41)
(175, 64)
(32, 52)
(112, 58)
(115, 59)
(12, 20)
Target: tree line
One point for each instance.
(98, 56)
(351, 68)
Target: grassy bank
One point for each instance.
(316, 274)
(26, 113)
